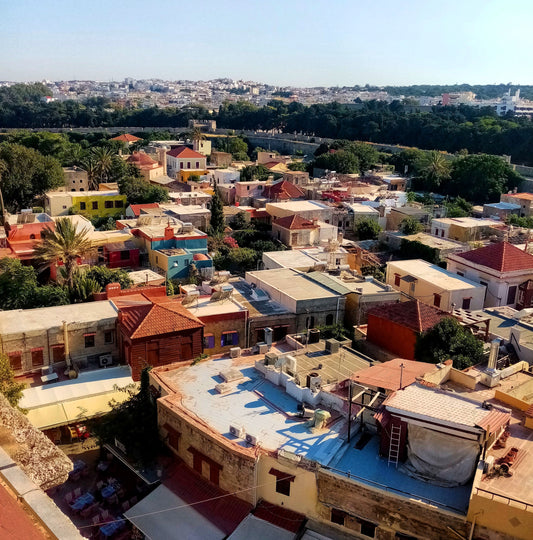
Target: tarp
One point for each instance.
(252, 527)
(441, 458)
(163, 514)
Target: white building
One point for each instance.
(434, 286)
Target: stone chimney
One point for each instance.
(169, 232)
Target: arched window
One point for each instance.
(32, 237)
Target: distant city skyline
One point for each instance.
(341, 43)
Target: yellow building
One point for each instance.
(98, 203)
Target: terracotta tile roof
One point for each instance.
(527, 196)
(223, 510)
(279, 516)
(283, 190)
(146, 319)
(295, 222)
(495, 420)
(503, 257)
(413, 314)
(141, 159)
(136, 208)
(387, 374)
(184, 152)
(126, 138)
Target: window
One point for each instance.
(368, 528)
(188, 164)
(397, 280)
(109, 336)
(89, 340)
(119, 204)
(82, 206)
(229, 338)
(436, 299)
(15, 359)
(95, 205)
(337, 516)
(466, 303)
(108, 204)
(197, 164)
(310, 322)
(37, 357)
(329, 319)
(283, 481)
(181, 165)
(124, 255)
(209, 341)
(511, 294)
(64, 207)
(58, 353)
(173, 436)
(32, 237)
(462, 274)
(81, 189)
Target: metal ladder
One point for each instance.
(394, 446)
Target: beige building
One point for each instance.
(434, 286)
(79, 334)
(524, 200)
(305, 209)
(465, 229)
(75, 179)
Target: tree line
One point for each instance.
(478, 130)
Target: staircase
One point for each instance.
(394, 446)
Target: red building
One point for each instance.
(121, 255)
(156, 332)
(395, 327)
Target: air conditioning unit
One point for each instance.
(235, 352)
(237, 432)
(105, 360)
(250, 439)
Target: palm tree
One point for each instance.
(435, 170)
(105, 159)
(89, 166)
(64, 244)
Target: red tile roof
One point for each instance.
(295, 222)
(136, 208)
(279, 516)
(494, 420)
(147, 319)
(223, 510)
(527, 196)
(283, 190)
(184, 152)
(141, 159)
(413, 314)
(387, 374)
(503, 257)
(126, 138)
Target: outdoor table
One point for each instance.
(81, 502)
(79, 465)
(111, 528)
(103, 466)
(108, 491)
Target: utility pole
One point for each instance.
(349, 410)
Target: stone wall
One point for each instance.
(392, 513)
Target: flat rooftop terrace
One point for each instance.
(266, 411)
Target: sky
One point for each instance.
(285, 43)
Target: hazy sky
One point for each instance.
(290, 42)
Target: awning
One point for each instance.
(280, 475)
(37, 349)
(89, 334)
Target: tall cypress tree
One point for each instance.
(217, 215)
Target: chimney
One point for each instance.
(163, 158)
(169, 232)
(112, 290)
(493, 355)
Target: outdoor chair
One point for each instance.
(69, 497)
(90, 510)
(125, 506)
(77, 492)
(99, 485)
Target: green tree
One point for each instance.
(434, 169)
(254, 172)
(217, 224)
(138, 191)
(449, 340)
(104, 158)
(132, 422)
(481, 178)
(342, 161)
(239, 221)
(366, 229)
(84, 287)
(19, 288)
(193, 178)
(64, 244)
(26, 175)
(458, 208)
(194, 274)
(11, 389)
(237, 260)
(411, 226)
(297, 166)
(104, 276)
